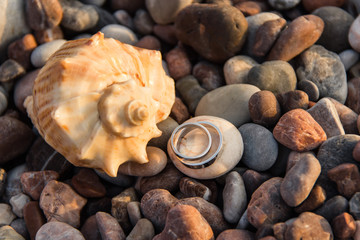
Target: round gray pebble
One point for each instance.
(349, 57)
(119, 32)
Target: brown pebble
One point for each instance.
(279, 230)
(236, 234)
(266, 35)
(90, 229)
(179, 111)
(311, 5)
(87, 183)
(43, 14)
(185, 222)
(347, 179)
(298, 131)
(34, 182)
(315, 199)
(353, 97)
(166, 33)
(193, 188)
(149, 42)
(253, 179)
(343, 226)
(249, 8)
(356, 152)
(300, 34)
(347, 117)
(10, 70)
(23, 89)
(178, 63)
(95, 205)
(208, 74)
(109, 228)
(34, 218)
(21, 49)
(134, 211)
(143, 230)
(155, 205)
(264, 230)
(293, 100)
(264, 108)
(58, 231)
(128, 5)
(61, 203)
(48, 35)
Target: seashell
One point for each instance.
(97, 102)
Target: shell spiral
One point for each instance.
(97, 102)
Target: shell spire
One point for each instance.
(97, 102)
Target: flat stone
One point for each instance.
(354, 34)
(324, 113)
(7, 216)
(266, 204)
(237, 68)
(298, 131)
(258, 159)
(208, 74)
(354, 206)
(333, 207)
(229, 102)
(264, 108)
(216, 32)
(337, 23)
(178, 63)
(58, 231)
(309, 226)
(315, 199)
(236, 234)
(300, 34)
(43, 14)
(109, 227)
(211, 212)
(347, 117)
(299, 181)
(10, 70)
(310, 89)
(119, 207)
(353, 99)
(18, 202)
(344, 226)
(88, 184)
(155, 205)
(34, 218)
(192, 188)
(293, 100)
(185, 222)
(34, 182)
(234, 197)
(7, 232)
(61, 203)
(325, 69)
(120, 33)
(275, 76)
(43, 52)
(143, 230)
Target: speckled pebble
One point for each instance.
(6, 214)
(58, 231)
(7, 232)
(42, 53)
(34, 182)
(143, 230)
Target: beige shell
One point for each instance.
(97, 102)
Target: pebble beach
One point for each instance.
(279, 80)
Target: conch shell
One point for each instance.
(97, 102)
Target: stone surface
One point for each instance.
(234, 197)
(3, 100)
(250, 8)
(58, 231)
(324, 113)
(3, 176)
(120, 33)
(293, 100)
(356, 152)
(18, 202)
(347, 117)
(61, 203)
(21, 49)
(42, 53)
(357, 232)
(90, 229)
(124, 18)
(325, 69)
(315, 199)
(266, 35)
(192, 188)
(34, 182)
(354, 206)
(95, 205)
(16, 138)
(333, 207)
(23, 89)
(347, 179)
(299, 181)
(185, 222)
(88, 184)
(43, 14)
(178, 63)
(311, 5)
(264, 108)
(298, 131)
(7, 216)
(337, 23)
(10, 70)
(128, 5)
(119, 207)
(309, 226)
(167, 33)
(354, 34)
(7, 232)
(13, 23)
(300, 34)
(344, 226)
(236, 234)
(212, 213)
(275, 76)
(164, 12)
(155, 205)
(109, 227)
(149, 42)
(214, 31)
(283, 4)
(349, 58)
(143, 230)
(48, 35)
(253, 179)
(143, 23)
(237, 68)
(20, 227)
(179, 111)
(77, 16)
(166, 126)
(12, 184)
(266, 204)
(208, 74)
(353, 99)
(310, 89)
(225, 102)
(134, 211)
(258, 159)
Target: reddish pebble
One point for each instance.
(344, 226)
(20, 50)
(166, 33)
(23, 89)
(356, 152)
(179, 111)
(34, 218)
(109, 227)
(88, 184)
(209, 75)
(236, 234)
(347, 179)
(149, 42)
(298, 131)
(178, 63)
(249, 8)
(34, 182)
